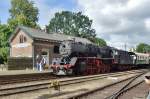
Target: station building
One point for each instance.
(26, 43)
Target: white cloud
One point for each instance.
(147, 24)
(46, 12)
(119, 21)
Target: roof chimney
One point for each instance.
(45, 29)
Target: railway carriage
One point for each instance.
(143, 60)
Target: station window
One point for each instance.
(44, 53)
(25, 39)
(22, 39)
(56, 49)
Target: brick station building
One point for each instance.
(26, 43)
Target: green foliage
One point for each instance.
(75, 24)
(4, 36)
(3, 55)
(5, 33)
(99, 41)
(143, 48)
(71, 23)
(23, 12)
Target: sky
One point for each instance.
(119, 22)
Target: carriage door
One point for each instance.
(45, 54)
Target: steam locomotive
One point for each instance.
(87, 59)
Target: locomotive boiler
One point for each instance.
(78, 49)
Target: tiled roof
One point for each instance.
(39, 34)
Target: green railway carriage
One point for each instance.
(142, 59)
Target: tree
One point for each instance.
(143, 48)
(70, 23)
(4, 45)
(23, 12)
(99, 41)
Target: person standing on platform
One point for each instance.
(37, 62)
(42, 63)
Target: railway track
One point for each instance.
(139, 92)
(113, 91)
(22, 88)
(11, 79)
(131, 84)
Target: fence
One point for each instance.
(20, 63)
(3, 67)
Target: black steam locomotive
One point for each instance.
(84, 59)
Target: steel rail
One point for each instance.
(125, 87)
(97, 89)
(32, 87)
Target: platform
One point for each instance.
(22, 72)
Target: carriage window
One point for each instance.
(56, 49)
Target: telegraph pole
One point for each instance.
(125, 46)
